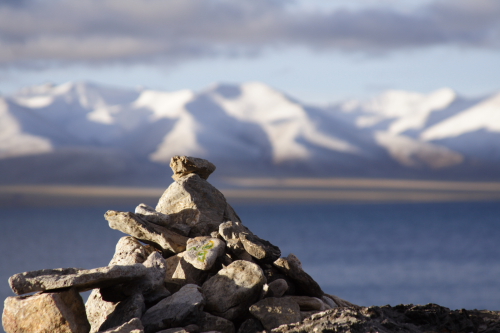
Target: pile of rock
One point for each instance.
(189, 265)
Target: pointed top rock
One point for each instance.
(184, 165)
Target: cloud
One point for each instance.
(104, 31)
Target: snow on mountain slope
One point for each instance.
(407, 110)
(285, 122)
(14, 141)
(413, 153)
(483, 116)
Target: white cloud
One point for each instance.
(104, 31)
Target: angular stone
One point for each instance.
(237, 250)
(277, 288)
(340, 302)
(158, 236)
(233, 289)
(253, 245)
(80, 279)
(184, 165)
(188, 329)
(130, 251)
(122, 312)
(307, 303)
(151, 215)
(132, 326)
(180, 272)
(304, 283)
(191, 200)
(203, 251)
(273, 312)
(208, 322)
(58, 312)
(181, 309)
(251, 325)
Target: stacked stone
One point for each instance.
(189, 265)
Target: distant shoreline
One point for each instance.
(251, 190)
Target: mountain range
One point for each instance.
(86, 133)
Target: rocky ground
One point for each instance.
(190, 265)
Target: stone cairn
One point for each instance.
(189, 265)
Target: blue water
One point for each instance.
(368, 254)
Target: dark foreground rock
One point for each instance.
(400, 318)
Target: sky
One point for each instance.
(318, 51)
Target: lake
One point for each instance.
(368, 254)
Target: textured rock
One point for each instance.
(203, 251)
(181, 309)
(251, 325)
(253, 245)
(156, 235)
(307, 303)
(131, 307)
(233, 289)
(45, 312)
(401, 318)
(180, 272)
(184, 165)
(277, 288)
(208, 322)
(191, 200)
(151, 215)
(304, 283)
(273, 312)
(132, 326)
(130, 251)
(339, 301)
(327, 300)
(80, 279)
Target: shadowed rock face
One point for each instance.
(400, 318)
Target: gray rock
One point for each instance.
(251, 325)
(122, 312)
(401, 318)
(158, 236)
(277, 288)
(307, 303)
(233, 289)
(237, 250)
(180, 272)
(339, 301)
(329, 301)
(188, 329)
(185, 165)
(273, 312)
(181, 309)
(130, 251)
(304, 283)
(80, 279)
(59, 312)
(191, 200)
(149, 214)
(203, 251)
(208, 322)
(132, 326)
(253, 245)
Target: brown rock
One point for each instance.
(185, 165)
(59, 312)
(273, 312)
(156, 235)
(304, 283)
(180, 272)
(233, 289)
(132, 326)
(191, 200)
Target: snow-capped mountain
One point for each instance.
(82, 132)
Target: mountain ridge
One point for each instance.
(248, 129)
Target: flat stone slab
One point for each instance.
(129, 223)
(80, 279)
(203, 251)
(60, 312)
